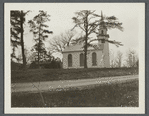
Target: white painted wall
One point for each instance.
(106, 55)
(76, 59)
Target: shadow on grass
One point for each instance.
(107, 95)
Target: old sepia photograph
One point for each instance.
(74, 58)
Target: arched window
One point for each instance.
(94, 59)
(81, 59)
(102, 32)
(69, 60)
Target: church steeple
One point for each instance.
(102, 28)
(102, 41)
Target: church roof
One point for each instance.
(79, 47)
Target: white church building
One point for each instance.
(73, 56)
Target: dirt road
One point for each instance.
(54, 85)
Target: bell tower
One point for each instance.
(102, 42)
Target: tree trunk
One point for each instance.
(38, 56)
(38, 51)
(22, 41)
(86, 37)
(39, 48)
(85, 53)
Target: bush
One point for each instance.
(33, 65)
(16, 66)
(48, 65)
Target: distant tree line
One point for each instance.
(130, 60)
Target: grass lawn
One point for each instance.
(108, 95)
(37, 75)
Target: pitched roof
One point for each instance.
(79, 47)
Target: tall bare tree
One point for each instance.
(58, 43)
(112, 59)
(131, 58)
(119, 59)
(85, 20)
(38, 27)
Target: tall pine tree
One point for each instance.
(17, 19)
(38, 27)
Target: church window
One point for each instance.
(94, 59)
(81, 59)
(69, 60)
(101, 31)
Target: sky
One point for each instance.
(61, 20)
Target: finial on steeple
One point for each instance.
(101, 16)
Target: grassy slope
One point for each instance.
(37, 75)
(108, 95)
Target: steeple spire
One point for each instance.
(101, 16)
(102, 23)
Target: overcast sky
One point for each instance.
(61, 21)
